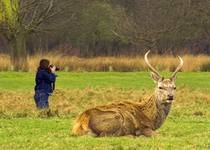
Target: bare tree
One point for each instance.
(21, 18)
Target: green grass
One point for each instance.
(131, 80)
(183, 129)
(29, 133)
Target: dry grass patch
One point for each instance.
(124, 64)
(5, 63)
(72, 102)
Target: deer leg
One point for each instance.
(131, 136)
(103, 134)
(148, 132)
(138, 132)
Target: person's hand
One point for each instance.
(53, 69)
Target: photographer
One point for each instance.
(45, 80)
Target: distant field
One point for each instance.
(23, 127)
(126, 80)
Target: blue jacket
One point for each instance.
(44, 81)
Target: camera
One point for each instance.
(56, 68)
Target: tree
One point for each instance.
(21, 18)
(94, 30)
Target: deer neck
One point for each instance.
(163, 110)
(155, 110)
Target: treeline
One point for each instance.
(118, 27)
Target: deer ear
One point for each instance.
(173, 78)
(155, 77)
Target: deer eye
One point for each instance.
(160, 87)
(174, 88)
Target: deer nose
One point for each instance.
(170, 97)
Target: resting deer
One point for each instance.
(131, 118)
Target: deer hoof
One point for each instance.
(148, 132)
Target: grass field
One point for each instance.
(22, 126)
(129, 80)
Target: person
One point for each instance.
(45, 80)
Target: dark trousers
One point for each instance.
(41, 99)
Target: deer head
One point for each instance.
(165, 88)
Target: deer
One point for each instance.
(131, 118)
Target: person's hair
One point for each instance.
(43, 64)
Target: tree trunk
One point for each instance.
(18, 53)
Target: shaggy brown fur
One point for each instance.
(118, 119)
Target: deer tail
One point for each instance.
(81, 125)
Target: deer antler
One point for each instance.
(150, 66)
(179, 67)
